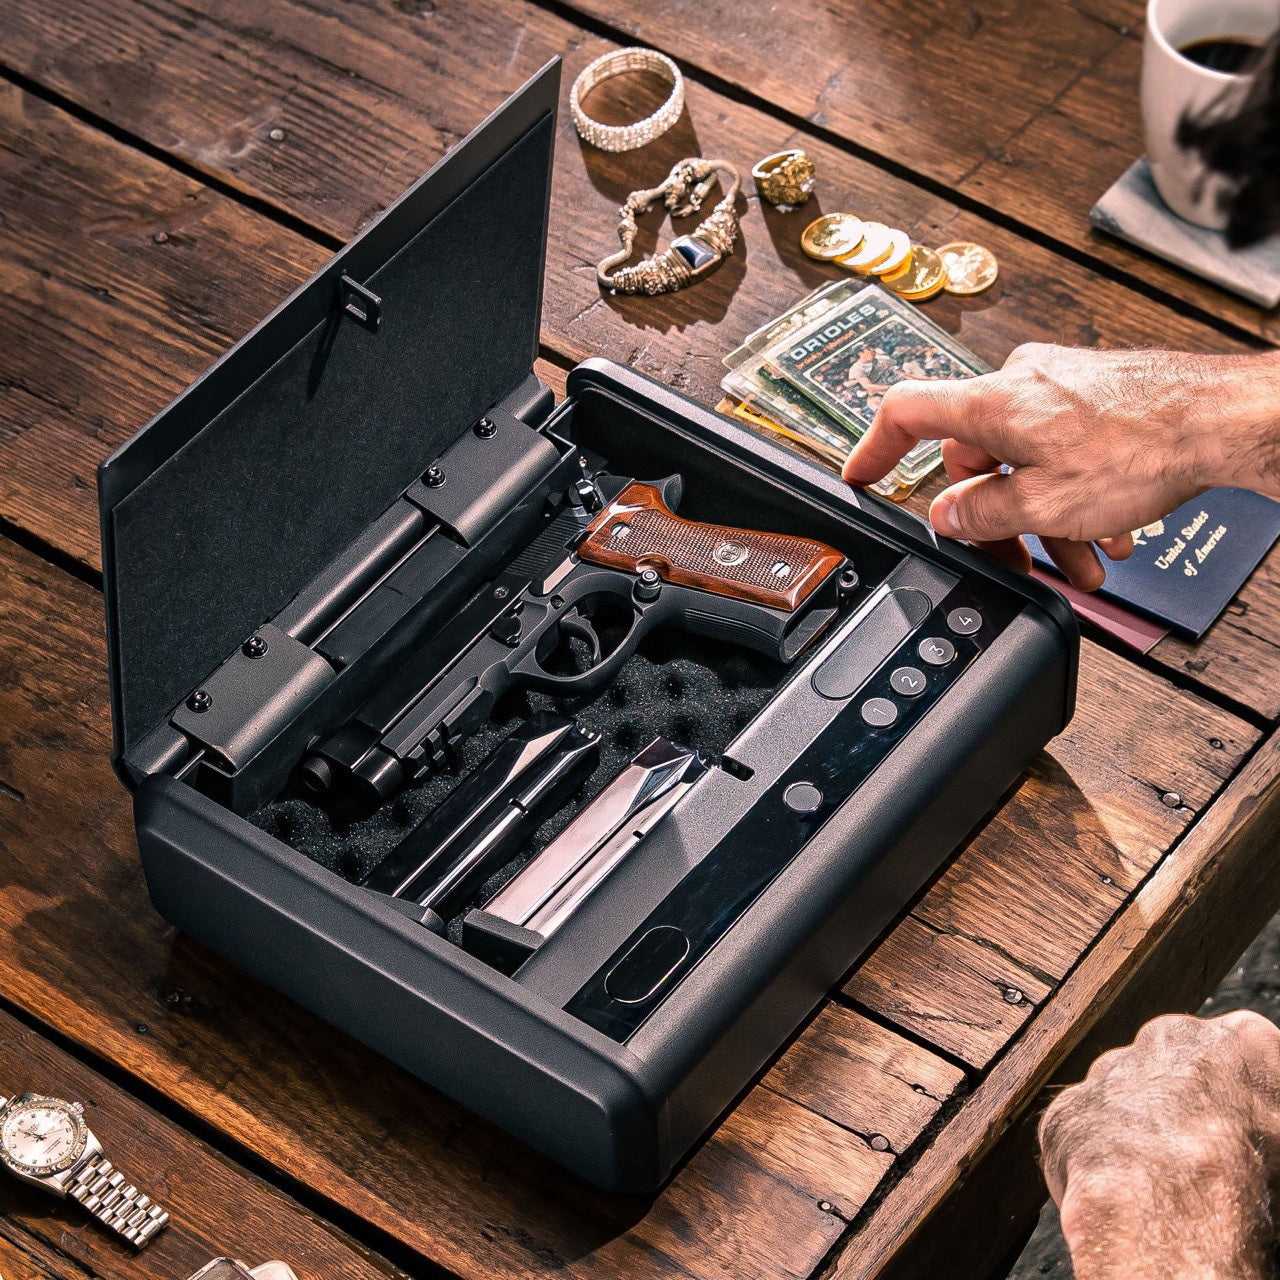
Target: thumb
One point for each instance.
(987, 508)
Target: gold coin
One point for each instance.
(831, 235)
(924, 271)
(970, 267)
(899, 255)
(923, 295)
(876, 246)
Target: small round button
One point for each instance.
(879, 713)
(908, 681)
(964, 621)
(803, 797)
(936, 651)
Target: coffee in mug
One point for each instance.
(1196, 61)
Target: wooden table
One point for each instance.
(167, 173)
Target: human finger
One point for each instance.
(1078, 562)
(984, 508)
(914, 410)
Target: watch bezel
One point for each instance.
(30, 1100)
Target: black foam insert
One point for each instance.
(696, 692)
(226, 531)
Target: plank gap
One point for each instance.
(273, 212)
(365, 1233)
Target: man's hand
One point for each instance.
(1162, 1159)
(1099, 442)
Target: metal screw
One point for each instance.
(879, 1142)
(200, 701)
(500, 593)
(277, 134)
(486, 428)
(1013, 996)
(435, 477)
(557, 602)
(254, 647)
(161, 237)
(1172, 800)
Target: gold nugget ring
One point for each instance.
(786, 177)
(627, 137)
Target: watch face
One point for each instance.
(42, 1135)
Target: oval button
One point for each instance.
(652, 959)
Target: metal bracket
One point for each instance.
(361, 304)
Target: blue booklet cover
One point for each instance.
(1186, 568)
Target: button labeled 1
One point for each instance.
(879, 713)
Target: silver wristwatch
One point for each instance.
(45, 1141)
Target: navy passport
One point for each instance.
(1186, 568)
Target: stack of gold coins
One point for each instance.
(913, 271)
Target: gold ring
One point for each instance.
(786, 177)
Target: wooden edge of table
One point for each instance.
(1162, 952)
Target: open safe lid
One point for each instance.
(229, 501)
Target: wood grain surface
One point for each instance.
(1030, 110)
(216, 94)
(167, 174)
(216, 1208)
(1172, 943)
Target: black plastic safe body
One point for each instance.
(258, 501)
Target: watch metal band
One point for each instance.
(101, 1188)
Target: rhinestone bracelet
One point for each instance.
(626, 137)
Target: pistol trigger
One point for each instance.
(575, 624)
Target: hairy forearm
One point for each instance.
(1204, 1222)
(1239, 429)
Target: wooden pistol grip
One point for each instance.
(637, 531)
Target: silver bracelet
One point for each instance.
(101, 1188)
(626, 137)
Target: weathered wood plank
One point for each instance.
(123, 280)
(914, 1085)
(1165, 952)
(1030, 108)
(215, 1207)
(985, 1000)
(332, 1113)
(209, 76)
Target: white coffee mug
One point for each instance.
(1174, 87)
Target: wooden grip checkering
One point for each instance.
(637, 531)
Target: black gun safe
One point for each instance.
(313, 514)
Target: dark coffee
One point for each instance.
(1228, 54)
